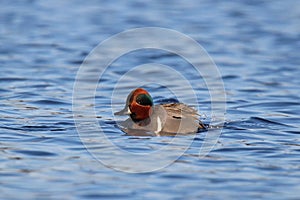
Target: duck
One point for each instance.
(145, 118)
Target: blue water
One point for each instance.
(256, 47)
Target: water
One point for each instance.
(255, 46)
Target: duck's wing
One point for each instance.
(186, 116)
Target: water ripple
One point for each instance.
(255, 46)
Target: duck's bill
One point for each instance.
(125, 111)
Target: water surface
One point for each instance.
(255, 46)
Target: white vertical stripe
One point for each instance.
(159, 127)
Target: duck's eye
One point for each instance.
(144, 99)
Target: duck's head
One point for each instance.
(139, 105)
